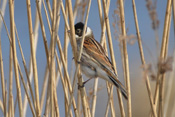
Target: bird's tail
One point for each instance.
(119, 85)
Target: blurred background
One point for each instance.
(140, 101)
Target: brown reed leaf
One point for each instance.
(151, 7)
(148, 70)
(165, 65)
(131, 39)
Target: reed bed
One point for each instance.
(43, 94)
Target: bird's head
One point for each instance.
(79, 30)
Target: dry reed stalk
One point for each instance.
(103, 42)
(56, 104)
(65, 16)
(171, 81)
(57, 22)
(57, 113)
(25, 67)
(3, 8)
(52, 61)
(10, 81)
(12, 33)
(43, 32)
(46, 111)
(5, 108)
(66, 38)
(66, 74)
(170, 87)
(102, 21)
(94, 98)
(142, 58)
(25, 88)
(71, 21)
(85, 105)
(44, 89)
(110, 92)
(2, 77)
(162, 79)
(56, 26)
(173, 12)
(63, 81)
(46, 75)
(30, 73)
(63, 61)
(108, 33)
(58, 5)
(45, 83)
(2, 106)
(82, 93)
(16, 101)
(66, 42)
(12, 106)
(79, 103)
(65, 50)
(45, 45)
(44, 37)
(47, 17)
(107, 106)
(74, 47)
(125, 57)
(163, 48)
(33, 54)
(10, 65)
(112, 56)
(49, 8)
(173, 113)
(15, 104)
(169, 93)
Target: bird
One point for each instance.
(94, 61)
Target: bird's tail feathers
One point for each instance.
(119, 85)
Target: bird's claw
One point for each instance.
(78, 62)
(81, 86)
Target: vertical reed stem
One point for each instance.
(2, 77)
(163, 47)
(52, 62)
(142, 58)
(33, 54)
(12, 34)
(125, 57)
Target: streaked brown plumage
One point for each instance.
(94, 61)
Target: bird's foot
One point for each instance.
(80, 86)
(83, 83)
(76, 61)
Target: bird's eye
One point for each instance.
(78, 30)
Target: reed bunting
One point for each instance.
(94, 61)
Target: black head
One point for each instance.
(79, 29)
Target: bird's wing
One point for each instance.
(96, 51)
